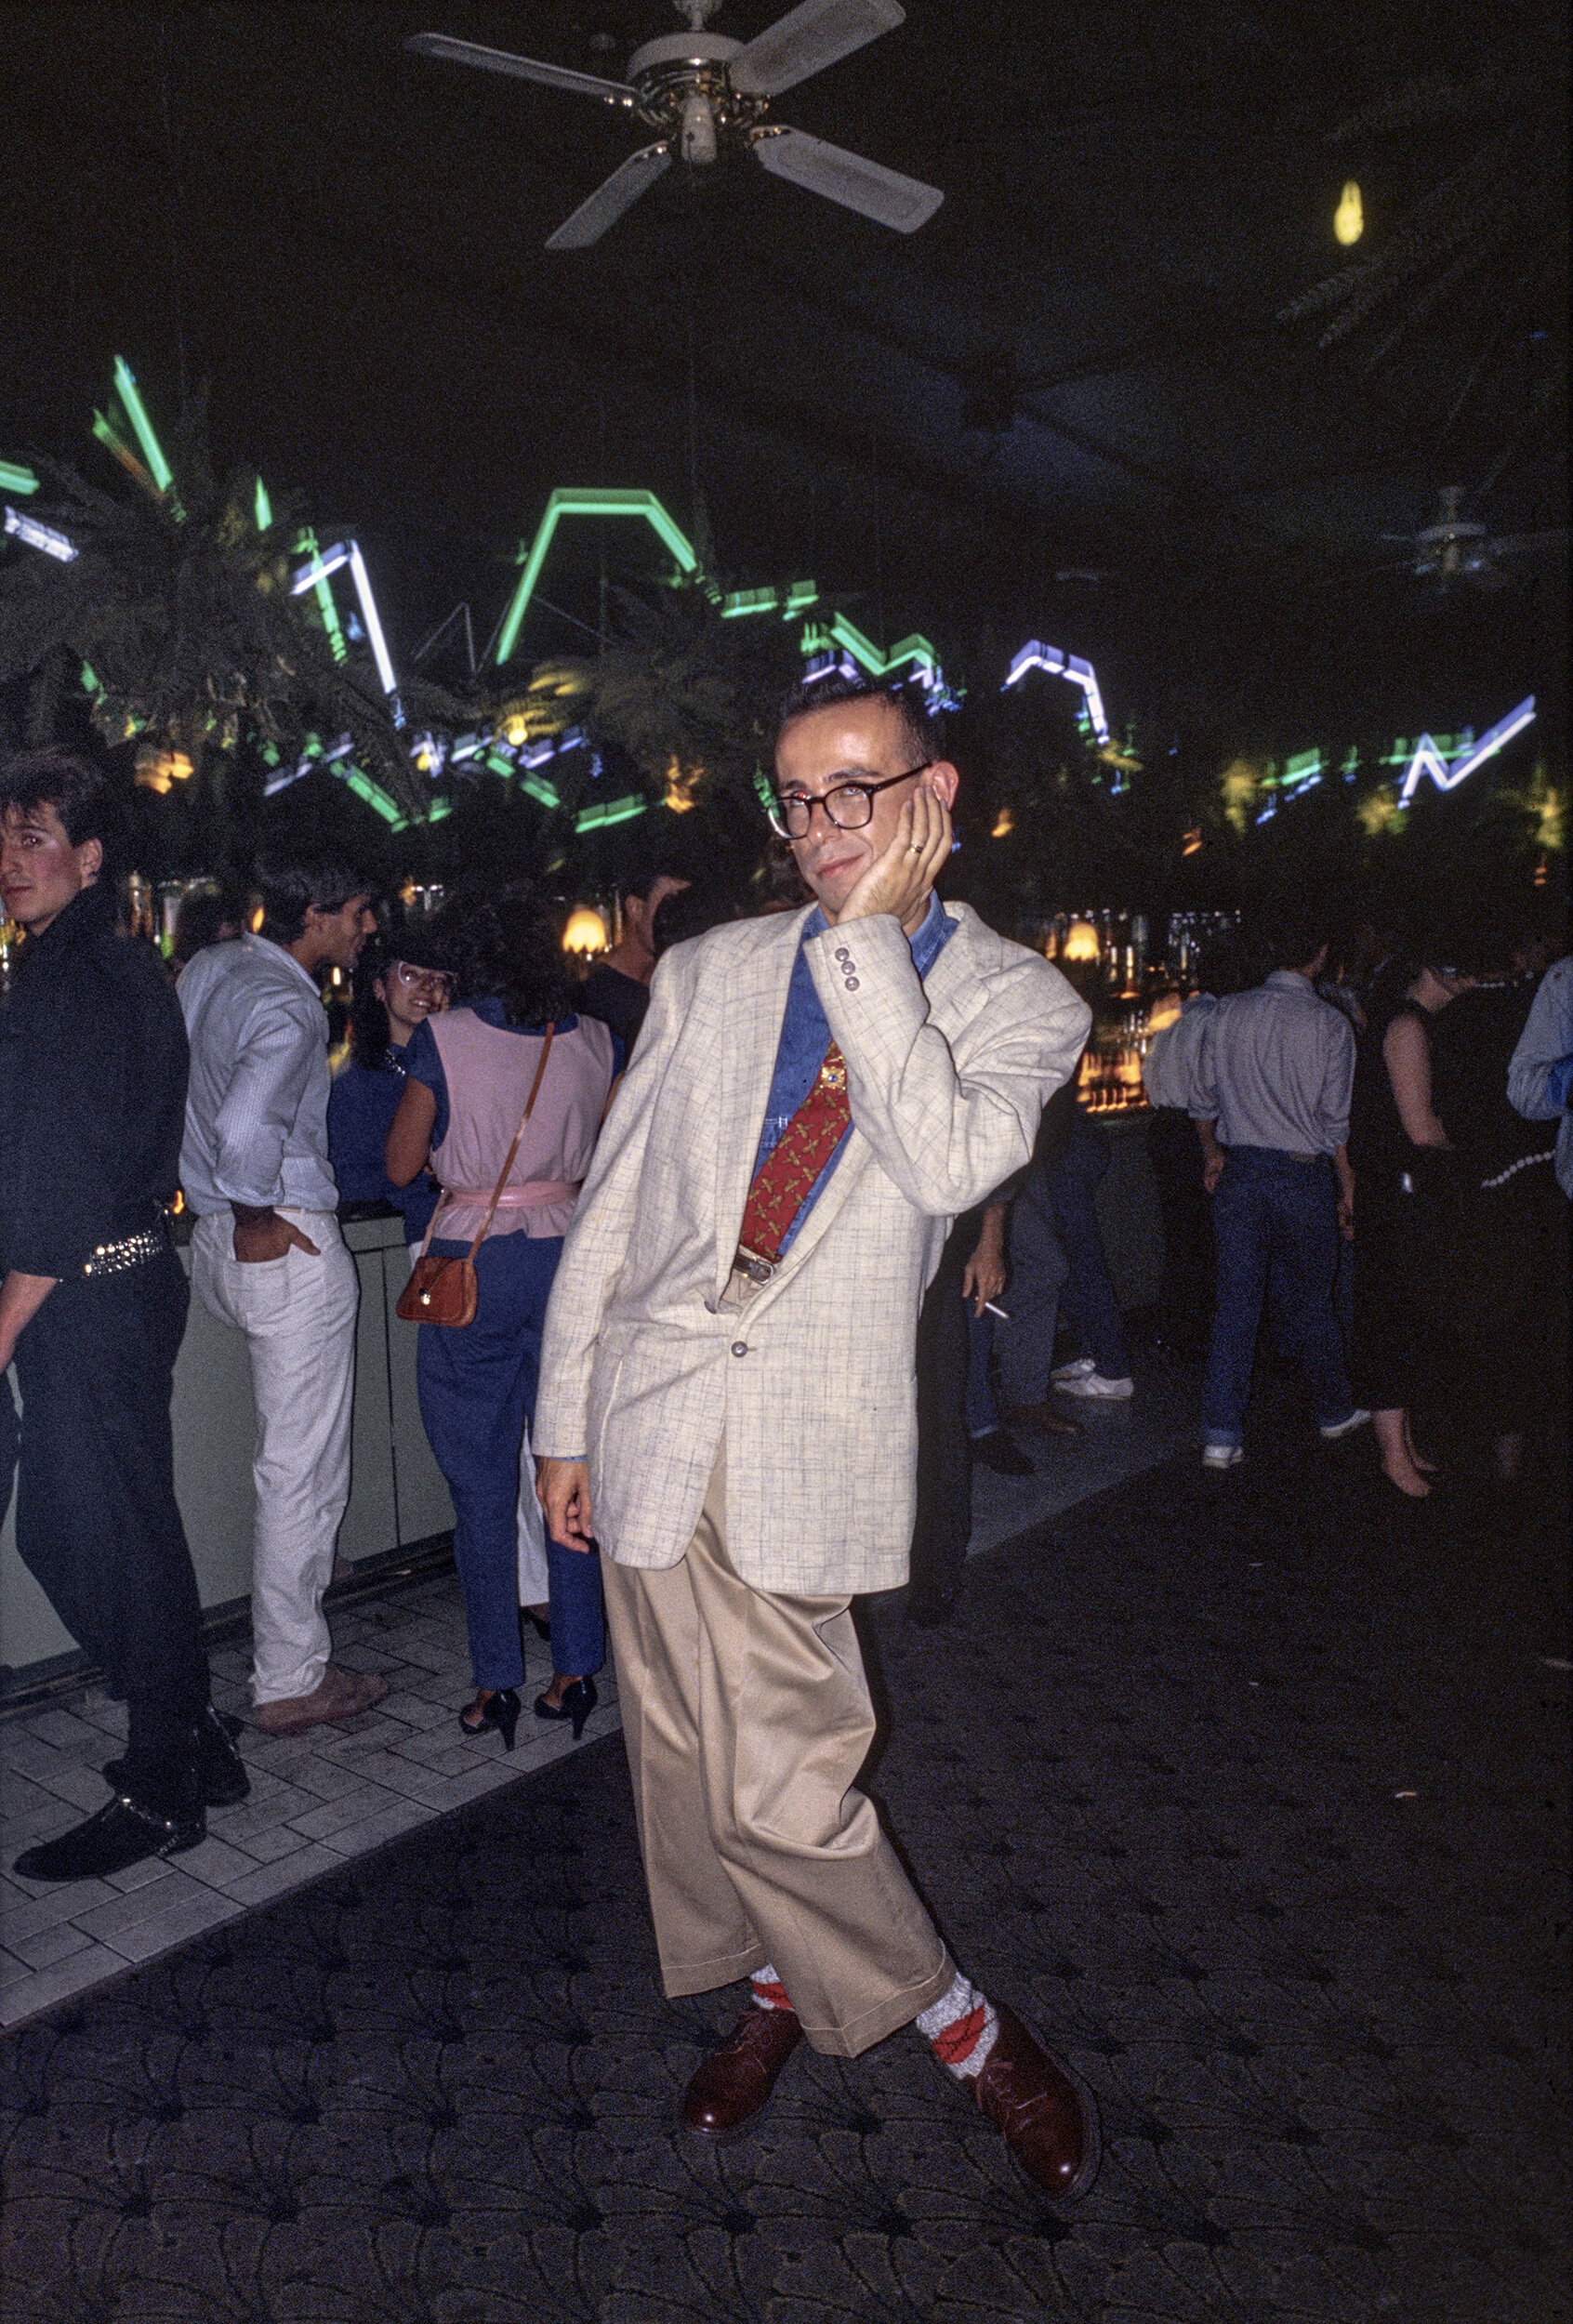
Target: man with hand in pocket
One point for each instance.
(267, 1257)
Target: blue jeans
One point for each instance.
(477, 1392)
(1274, 1217)
(1092, 1306)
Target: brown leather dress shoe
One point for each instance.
(1046, 2117)
(735, 2083)
(1042, 1416)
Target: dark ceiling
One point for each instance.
(1078, 363)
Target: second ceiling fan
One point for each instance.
(707, 96)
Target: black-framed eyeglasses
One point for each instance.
(846, 805)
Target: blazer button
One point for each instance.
(740, 1347)
(852, 983)
(843, 953)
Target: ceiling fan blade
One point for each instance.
(522, 68)
(849, 178)
(618, 193)
(1525, 544)
(814, 36)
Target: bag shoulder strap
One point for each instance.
(502, 1175)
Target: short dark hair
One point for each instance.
(647, 871)
(924, 728)
(292, 885)
(82, 793)
(1290, 931)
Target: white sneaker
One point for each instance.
(1092, 1383)
(1221, 1456)
(1078, 1370)
(1358, 1418)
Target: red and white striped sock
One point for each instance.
(961, 2028)
(767, 1990)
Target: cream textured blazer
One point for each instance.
(644, 1370)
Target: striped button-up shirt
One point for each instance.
(257, 1109)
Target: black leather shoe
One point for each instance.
(1003, 1454)
(579, 1701)
(224, 1780)
(121, 1834)
(735, 2083)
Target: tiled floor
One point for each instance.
(338, 1791)
(315, 1799)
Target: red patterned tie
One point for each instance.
(806, 1145)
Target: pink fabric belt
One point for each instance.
(535, 1196)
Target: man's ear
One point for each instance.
(90, 855)
(943, 781)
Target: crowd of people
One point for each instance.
(1378, 1149)
(768, 1200)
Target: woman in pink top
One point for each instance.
(469, 1074)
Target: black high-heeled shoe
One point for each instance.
(579, 1701)
(500, 1711)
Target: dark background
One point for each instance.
(1077, 364)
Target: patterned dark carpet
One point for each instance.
(1253, 1798)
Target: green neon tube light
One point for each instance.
(798, 597)
(541, 791)
(438, 809)
(742, 601)
(135, 412)
(602, 815)
(375, 796)
(264, 506)
(17, 480)
(583, 501)
(1303, 763)
(307, 547)
(116, 444)
(863, 649)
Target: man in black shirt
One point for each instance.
(92, 1307)
(617, 989)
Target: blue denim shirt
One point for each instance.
(805, 1037)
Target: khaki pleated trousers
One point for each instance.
(746, 1717)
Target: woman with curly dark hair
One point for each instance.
(470, 1074)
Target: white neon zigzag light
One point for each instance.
(1049, 658)
(1428, 760)
(348, 553)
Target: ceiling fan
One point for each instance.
(707, 95)
(1457, 551)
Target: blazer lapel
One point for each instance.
(754, 1008)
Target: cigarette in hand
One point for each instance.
(989, 1309)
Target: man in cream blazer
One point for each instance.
(737, 1427)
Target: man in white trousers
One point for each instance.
(267, 1257)
(727, 1400)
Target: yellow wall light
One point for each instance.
(1082, 942)
(1004, 824)
(1349, 218)
(585, 930)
